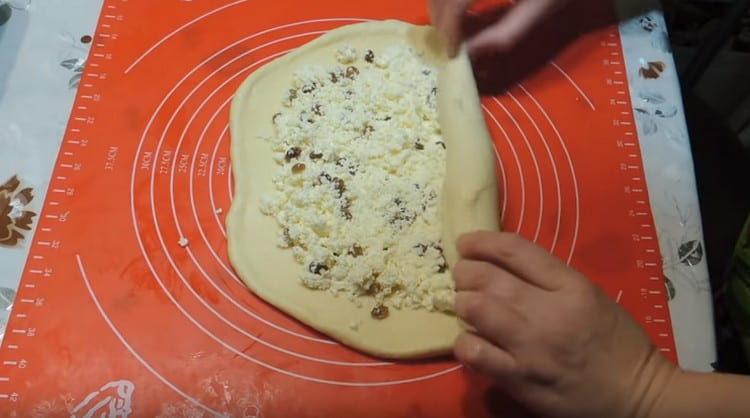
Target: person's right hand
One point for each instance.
(506, 33)
(550, 338)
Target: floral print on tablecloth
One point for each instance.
(15, 226)
(15, 218)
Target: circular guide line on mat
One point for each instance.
(500, 164)
(534, 161)
(570, 166)
(210, 191)
(192, 165)
(553, 164)
(202, 233)
(224, 133)
(574, 84)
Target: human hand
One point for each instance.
(504, 34)
(548, 337)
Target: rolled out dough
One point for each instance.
(469, 195)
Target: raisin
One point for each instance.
(443, 266)
(402, 214)
(292, 152)
(287, 238)
(339, 185)
(422, 249)
(426, 72)
(346, 209)
(367, 129)
(298, 168)
(441, 143)
(370, 56)
(418, 146)
(374, 288)
(316, 109)
(323, 176)
(379, 312)
(653, 69)
(387, 118)
(334, 78)
(352, 72)
(317, 268)
(309, 88)
(275, 116)
(409, 218)
(316, 155)
(292, 94)
(356, 251)
(352, 168)
(433, 91)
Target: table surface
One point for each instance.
(43, 54)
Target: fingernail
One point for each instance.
(452, 51)
(475, 353)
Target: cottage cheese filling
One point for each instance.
(361, 169)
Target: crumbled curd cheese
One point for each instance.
(361, 167)
(346, 54)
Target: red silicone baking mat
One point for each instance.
(114, 316)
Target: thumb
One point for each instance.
(507, 32)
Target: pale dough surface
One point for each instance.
(470, 193)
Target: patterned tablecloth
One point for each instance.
(44, 45)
